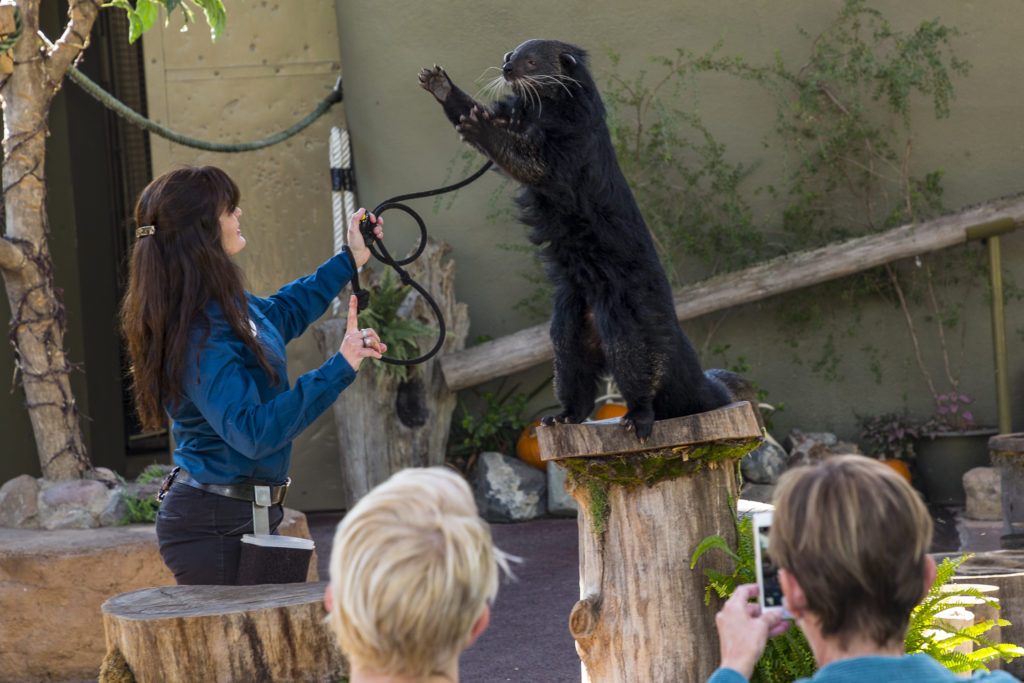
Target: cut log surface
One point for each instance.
(641, 614)
(1005, 569)
(735, 421)
(224, 633)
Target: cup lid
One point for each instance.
(278, 541)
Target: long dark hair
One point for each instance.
(173, 275)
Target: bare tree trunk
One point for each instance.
(37, 314)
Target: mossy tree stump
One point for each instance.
(644, 508)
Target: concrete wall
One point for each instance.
(403, 142)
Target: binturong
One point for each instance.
(613, 312)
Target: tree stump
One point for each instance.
(1005, 569)
(644, 508)
(385, 425)
(224, 633)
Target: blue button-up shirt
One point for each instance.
(232, 424)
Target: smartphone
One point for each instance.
(769, 594)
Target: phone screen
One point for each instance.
(767, 571)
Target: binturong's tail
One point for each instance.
(738, 387)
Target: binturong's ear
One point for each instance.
(567, 59)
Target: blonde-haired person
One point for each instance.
(413, 571)
(851, 539)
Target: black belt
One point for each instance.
(243, 491)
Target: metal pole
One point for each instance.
(999, 336)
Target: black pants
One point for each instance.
(200, 534)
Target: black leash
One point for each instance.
(366, 228)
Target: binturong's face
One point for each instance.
(231, 231)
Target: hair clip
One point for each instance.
(145, 231)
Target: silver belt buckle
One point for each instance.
(261, 495)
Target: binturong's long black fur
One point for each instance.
(613, 310)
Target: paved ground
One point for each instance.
(528, 639)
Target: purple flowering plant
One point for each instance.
(951, 415)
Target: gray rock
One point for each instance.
(809, 448)
(18, 503)
(984, 493)
(115, 512)
(760, 493)
(105, 475)
(68, 517)
(509, 490)
(78, 492)
(559, 501)
(765, 464)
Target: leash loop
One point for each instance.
(380, 252)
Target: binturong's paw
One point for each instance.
(472, 126)
(639, 423)
(561, 418)
(436, 81)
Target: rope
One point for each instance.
(384, 257)
(127, 113)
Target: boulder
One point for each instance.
(509, 490)
(765, 464)
(759, 493)
(984, 492)
(559, 501)
(19, 506)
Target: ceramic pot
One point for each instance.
(943, 461)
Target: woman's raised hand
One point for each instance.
(359, 344)
(360, 252)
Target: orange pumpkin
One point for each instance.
(899, 467)
(527, 448)
(609, 410)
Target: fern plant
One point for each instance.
(788, 657)
(397, 332)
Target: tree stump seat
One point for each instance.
(274, 632)
(644, 508)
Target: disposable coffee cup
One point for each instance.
(270, 558)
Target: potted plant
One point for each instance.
(891, 438)
(951, 442)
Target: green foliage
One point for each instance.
(398, 333)
(789, 657)
(144, 14)
(495, 427)
(926, 629)
(891, 435)
(689, 192)
(142, 510)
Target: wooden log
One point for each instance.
(1005, 569)
(641, 614)
(526, 348)
(224, 633)
(983, 609)
(384, 424)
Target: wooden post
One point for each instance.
(273, 632)
(385, 425)
(644, 508)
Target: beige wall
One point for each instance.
(273, 64)
(276, 60)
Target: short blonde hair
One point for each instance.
(855, 535)
(412, 568)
